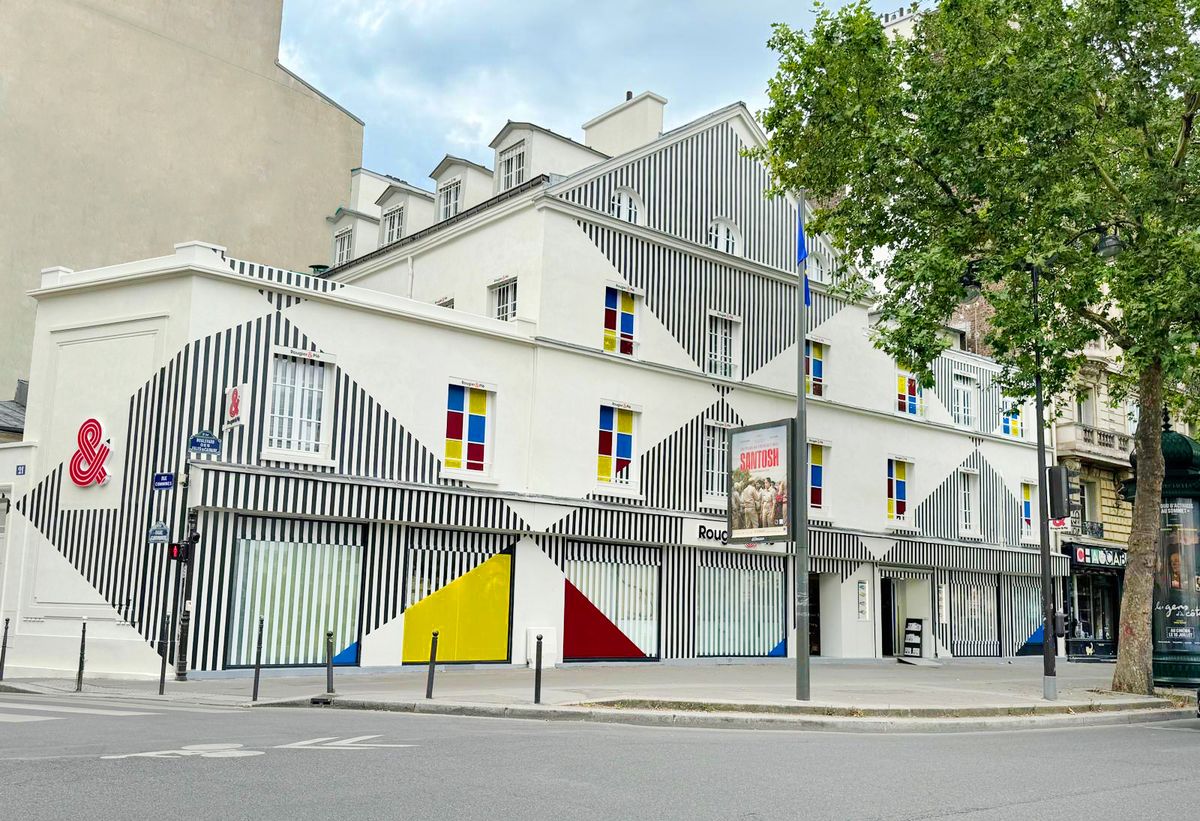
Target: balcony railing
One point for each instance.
(1085, 440)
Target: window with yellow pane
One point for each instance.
(467, 411)
(614, 461)
(619, 317)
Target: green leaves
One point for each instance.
(1004, 133)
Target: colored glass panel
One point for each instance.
(814, 368)
(908, 395)
(1012, 422)
(466, 428)
(618, 321)
(816, 475)
(614, 451)
(897, 488)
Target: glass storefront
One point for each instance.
(1094, 601)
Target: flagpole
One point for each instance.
(799, 469)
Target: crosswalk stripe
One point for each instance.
(7, 719)
(53, 708)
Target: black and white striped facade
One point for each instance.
(384, 490)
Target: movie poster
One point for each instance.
(759, 496)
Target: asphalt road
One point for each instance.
(292, 763)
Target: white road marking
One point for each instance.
(223, 750)
(54, 708)
(23, 719)
(354, 743)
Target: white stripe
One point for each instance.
(5, 719)
(51, 708)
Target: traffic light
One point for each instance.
(179, 551)
(1064, 491)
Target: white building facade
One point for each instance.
(507, 421)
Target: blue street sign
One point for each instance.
(159, 533)
(164, 481)
(20, 470)
(204, 442)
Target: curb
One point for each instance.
(759, 721)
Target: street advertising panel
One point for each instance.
(1177, 579)
(759, 496)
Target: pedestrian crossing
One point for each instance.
(28, 709)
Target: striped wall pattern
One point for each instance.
(830, 544)
(981, 558)
(282, 276)
(841, 567)
(899, 573)
(627, 593)
(681, 287)
(434, 558)
(301, 589)
(999, 510)
(974, 614)
(671, 472)
(991, 399)
(623, 526)
(688, 183)
(740, 604)
(383, 585)
(1021, 608)
(679, 566)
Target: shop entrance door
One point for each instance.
(814, 614)
(887, 615)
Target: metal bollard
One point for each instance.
(432, 665)
(82, 653)
(257, 660)
(329, 663)
(3, 649)
(164, 630)
(537, 673)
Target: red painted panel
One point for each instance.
(588, 633)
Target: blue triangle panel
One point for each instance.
(348, 656)
(1033, 644)
(779, 650)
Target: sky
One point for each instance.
(436, 77)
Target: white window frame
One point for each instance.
(1031, 534)
(626, 206)
(1085, 400)
(714, 475)
(822, 508)
(391, 225)
(724, 236)
(444, 202)
(972, 420)
(514, 156)
(343, 245)
(920, 414)
(632, 486)
(638, 295)
(324, 453)
(485, 476)
(969, 501)
(900, 521)
(1093, 501)
(713, 357)
(1133, 413)
(498, 298)
(824, 343)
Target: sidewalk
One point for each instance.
(873, 695)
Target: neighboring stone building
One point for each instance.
(128, 124)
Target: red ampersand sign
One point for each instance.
(87, 465)
(235, 404)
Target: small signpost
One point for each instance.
(159, 533)
(163, 481)
(235, 405)
(913, 629)
(204, 442)
(1060, 524)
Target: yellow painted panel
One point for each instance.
(453, 453)
(604, 468)
(478, 401)
(470, 615)
(610, 340)
(624, 421)
(627, 302)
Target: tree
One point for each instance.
(1003, 134)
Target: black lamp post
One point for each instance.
(1109, 245)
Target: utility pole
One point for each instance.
(798, 480)
(1049, 638)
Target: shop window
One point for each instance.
(614, 462)
(468, 428)
(620, 315)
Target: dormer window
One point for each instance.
(343, 246)
(723, 236)
(449, 198)
(626, 206)
(393, 224)
(512, 166)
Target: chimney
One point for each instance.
(22, 395)
(632, 124)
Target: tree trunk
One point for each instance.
(1134, 673)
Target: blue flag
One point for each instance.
(802, 254)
